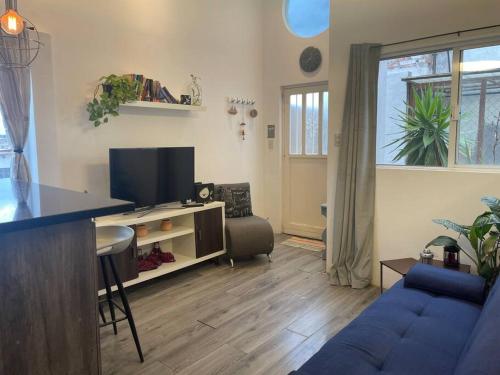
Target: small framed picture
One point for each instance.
(186, 99)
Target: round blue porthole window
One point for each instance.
(307, 18)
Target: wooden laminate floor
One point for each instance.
(258, 318)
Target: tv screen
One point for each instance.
(152, 176)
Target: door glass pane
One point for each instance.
(296, 124)
(324, 130)
(479, 122)
(413, 113)
(312, 123)
(5, 152)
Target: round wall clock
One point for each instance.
(310, 59)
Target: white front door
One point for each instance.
(305, 149)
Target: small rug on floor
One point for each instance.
(305, 243)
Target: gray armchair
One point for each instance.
(246, 234)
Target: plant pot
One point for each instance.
(451, 256)
(166, 225)
(142, 230)
(108, 89)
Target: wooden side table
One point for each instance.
(403, 265)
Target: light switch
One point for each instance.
(338, 140)
(271, 131)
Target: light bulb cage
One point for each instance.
(19, 51)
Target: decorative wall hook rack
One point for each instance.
(244, 101)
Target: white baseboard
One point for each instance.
(303, 231)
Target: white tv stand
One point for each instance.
(197, 235)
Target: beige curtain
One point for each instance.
(355, 192)
(21, 191)
(15, 92)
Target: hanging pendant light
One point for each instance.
(19, 39)
(11, 22)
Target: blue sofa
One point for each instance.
(435, 321)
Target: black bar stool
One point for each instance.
(113, 240)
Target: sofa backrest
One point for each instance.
(480, 353)
(237, 199)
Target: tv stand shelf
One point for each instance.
(158, 235)
(197, 235)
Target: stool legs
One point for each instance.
(109, 296)
(101, 312)
(126, 306)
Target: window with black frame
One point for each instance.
(414, 109)
(440, 109)
(479, 99)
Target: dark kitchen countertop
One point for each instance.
(25, 206)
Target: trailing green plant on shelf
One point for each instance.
(481, 240)
(110, 92)
(424, 130)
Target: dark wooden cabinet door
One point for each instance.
(208, 232)
(126, 264)
(48, 323)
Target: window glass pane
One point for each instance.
(312, 123)
(307, 18)
(414, 110)
(296, 124)
(5, 152)
(324, 130)
(479, 122)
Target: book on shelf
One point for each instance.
(169, 98)
(151, 91)
(147, 91)
(139, 78)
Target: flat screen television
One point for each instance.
(152, 176)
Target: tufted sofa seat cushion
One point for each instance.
(405, 332)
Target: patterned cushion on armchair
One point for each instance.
(237, 199)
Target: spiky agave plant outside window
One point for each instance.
(424, 132)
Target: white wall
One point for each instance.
(406, 200)
(219, 40)
(44, 120)
(281, 68)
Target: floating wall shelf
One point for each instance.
(166, 106)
